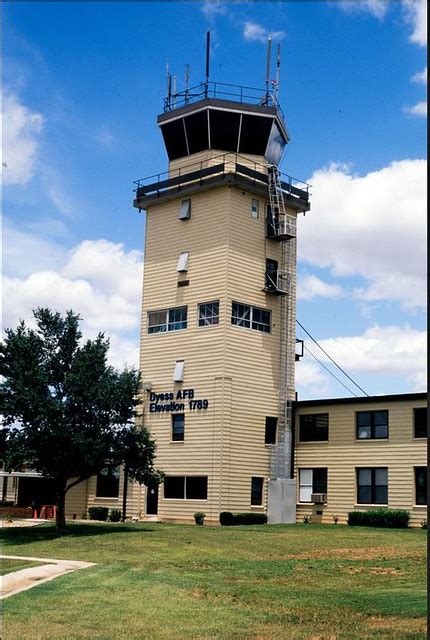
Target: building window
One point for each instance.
(243, 315)
(270, 433)
(167, 320)
(271, 281)
(208, 314)
(185, 210)
(178, 427)
(182, 262)
(107, 485)
(313, 427)
(372, 425)
(186, 487)
(421, 485)
(420, 422)
(372, 485)
(255, 208)
(257, 491)
(312, 481)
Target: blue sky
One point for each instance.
(83, 84)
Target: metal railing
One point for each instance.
(221, 90)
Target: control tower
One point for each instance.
(218, 316)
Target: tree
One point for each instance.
(65, 411)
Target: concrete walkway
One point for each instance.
(24, 579)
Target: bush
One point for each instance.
(307, 519)
(115, 515)
(199, 517)
(229, 519)
(424, 524)
(391, 518)
(7, 503)
(98, 513)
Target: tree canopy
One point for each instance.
(65, 412)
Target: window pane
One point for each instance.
(420, 422)
(319, 481)
(364, 432)
(178, 427)
(381, 495)
(314, 427)
(363, 418)
(306, 477)
(177, 319)
(174, 487)
(381, 476)
(255, 208)
(306, 481)
(241, 315)
(270, 434)
(196, 487)
(157, 321)
(256, 491)
(108, 483)
(380, 417)
(421, 485)
(261, 320)
(364, 476)
(381, 431)
(208, 313)
(364, 495)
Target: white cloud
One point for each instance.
(255, 32)
(212, 8)
(105, 137)
(416, 15)
(310, 287)
(377, 8)
(419, 109)
(390, 350)
(420, 77)
(20, 130)
(372, 226)
(312, 381)
(98, 280)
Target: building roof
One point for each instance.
(395, 397)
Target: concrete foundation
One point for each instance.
(281, 501)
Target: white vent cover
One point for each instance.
(183, 262)
(185, 210)
(178, 373)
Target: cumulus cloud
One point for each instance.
(310, 287)
(377, 8)
(415, 12)
(373, 226)
(212, 8)
(21, 128)
(312, 381)
(420, 77)
(97, 279)
(255, 32)
(419, 109)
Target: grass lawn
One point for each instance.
(7, 565)
(179, 582)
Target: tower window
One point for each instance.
(270, 433)
(257, 491)
(420, 422)
(208, 313)
(178, 427)
(243, 315)
(255, 208)
(372, 425)
(185, 210)
(167, 320)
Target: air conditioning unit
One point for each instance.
(319, 498)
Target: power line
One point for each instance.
(330, 372)
(330, 358)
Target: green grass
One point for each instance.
(178, 582)
(8, 565)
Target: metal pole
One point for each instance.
(278, 65)
(208, 48)
(269, 51)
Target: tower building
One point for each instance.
(218, 314)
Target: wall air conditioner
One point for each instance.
(319, 498)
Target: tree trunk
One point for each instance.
(60, 515)
(124, 494)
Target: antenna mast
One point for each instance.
(169, 84)
(187, 78)
(269, 51)
(208, 48)
(278, 65)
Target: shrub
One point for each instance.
(335, 519)
(199, 517)
(423, 524)
(227, 518)
(6, 503)
(391, 518)
(98, 513)
(306, 519)
(84, 516)
(115, 515)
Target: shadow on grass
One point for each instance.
(46, 532)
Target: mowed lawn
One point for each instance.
(178, 582)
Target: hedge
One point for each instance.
(390, 518)
(98, 513)
(229, 519)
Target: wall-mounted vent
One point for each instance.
(185, 210)
(178, 373)
(183, 262)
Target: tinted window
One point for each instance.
(420, 485)
(197, 487)
(372, 485)
(256, 491)
(313, 427)
(108, 483)
(270, 433)
(420, 423)
(174, 487)
(372, 424)
(178, 427)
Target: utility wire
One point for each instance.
(330, 358)
(330, 372)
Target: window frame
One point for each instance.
(372, 425)
(271, 429)
(217, 317)
(313, 486)
(372, 485)
(315, 416)
(255, 211)
(168, 323)
(185, 478)
(259, 491)
(175, 419)
(249, 322)
(415, 411)
(111, 468)
(422, 492)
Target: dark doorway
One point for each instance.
(35, 492)
(271, 274)
(152, 500)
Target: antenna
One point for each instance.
(174, 91)
(208, 48)
(269, 50)
(169, 84)
(187, 78)
(278, 65)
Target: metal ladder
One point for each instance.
(285, 229)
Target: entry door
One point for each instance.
(152, 500)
